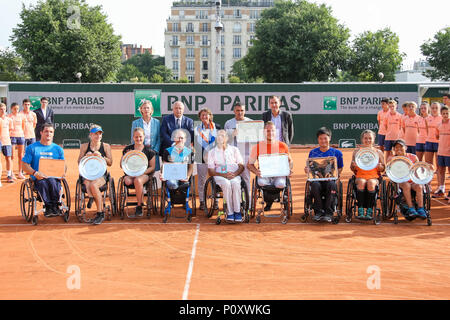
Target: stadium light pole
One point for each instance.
(219, 27)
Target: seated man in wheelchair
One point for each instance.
(367, 180)
(324, 212)
(225, 164)
(140, 181)
(271, 145)
(179, 153)
(49, 188)
(95, 146)
(399, 148)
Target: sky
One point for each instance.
(143, 22)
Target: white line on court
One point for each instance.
(191, 265)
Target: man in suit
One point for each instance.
(281, 119)
(44, 115)
(175, 121)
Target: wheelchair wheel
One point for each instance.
(27, 200)
(162, 203)
(153, 196)
(339, 206)
(121, 198)
(307, 203)
(244, 202)
(287, 199)
(427, 203)
(193, 199)
(80, 205)
(64, 202)
(209, 196)
(254, 199)
(391, 206)
(350, 201)
(108, 196)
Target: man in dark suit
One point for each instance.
(44, 115)
(175, 121)
(281, 119)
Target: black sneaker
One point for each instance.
(327, 218)
(138, 212)
(268, 206)
(318, 215)
(89, 204)
(98, 218)
(49, 211)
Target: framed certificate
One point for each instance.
(250, 131)
(322, 169)
(274, 165)
(52, 168)
(174, 171)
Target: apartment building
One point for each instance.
(130, 50)
(190, 37)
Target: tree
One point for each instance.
(373, 53)
(297, 41)
(129, 72)
(59, 38)
(150, 65)
(11, 67)
(240, 71)
(437, 53)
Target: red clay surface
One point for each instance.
(145, 259)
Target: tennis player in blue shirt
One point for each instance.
(324, 211)
(48, 188)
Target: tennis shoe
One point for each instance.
(237, 217)
(230, 218)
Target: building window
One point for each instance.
(222, 40)
(204, 40)
(222, 78)
(190, 65)
(181, 14)
(175, 65)
(189, 52)
(252, 27)
(237, 13)
(190, 27)
(222, 52)
(189, 40)
(191, 78)
(174, 40)
(176, 27)
(254, 14)
(205, 76)
(222, 65)
(205, 27)
(237, 27)
(205, 52)
(202, 14)
(175, 53)
(236, 39)
(204, 65)
(236, 52)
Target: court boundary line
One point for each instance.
(213, 223)
(191, 265)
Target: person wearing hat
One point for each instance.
(399, 148)
(44, 115)
(96, 147)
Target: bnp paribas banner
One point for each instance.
(361, 99)
(345, 108)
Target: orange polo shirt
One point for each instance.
(18, 121)
(422, 136)
(380, 117)
(433, 122)
(393, 123)
(411, 125)
(30, 124)
(444, 139)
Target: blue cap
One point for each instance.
(95, 130)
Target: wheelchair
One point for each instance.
(31, 204)
(337, 203)
(396, 203)
(380, 206)
(213, 193)
(181, 196)
(124, 192)
(271, 194)
(109, 199)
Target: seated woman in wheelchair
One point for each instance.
(140, 181)
(179, 153)
(271, 145)
(225, 164)
(48, 188)
(367, 178)
(96, 147)
(399, 148)
(324, 212)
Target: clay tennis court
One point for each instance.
(145, 259)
